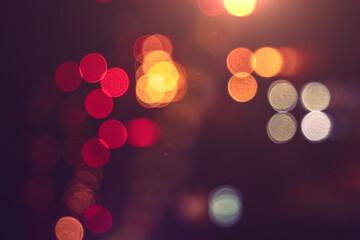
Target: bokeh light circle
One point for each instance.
(269, 62)
(242, 89)
(113, 133)
(97, 219)
(240, 8)
(225, 206)
(281, 128)
(115, 83)
(315, 96)
(142, 132)
(95, 153)
(316, 126)
(93, 67)
(282, 96)
(241, 62)
(67, 76)
(69, 228)
(98, 104)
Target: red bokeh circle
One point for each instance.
(67, 76)
(98, 104)
(97, 219)
(113, 133)
(143, 132)
(115, 83)
(95, 153)
(93, 67)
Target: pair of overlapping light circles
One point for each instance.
(242, 86)
(282, 96)
(281, 61)
(159, 79)
(225, 206)
(112, 135)
(238, 8)
(83, 188)
(316, 125)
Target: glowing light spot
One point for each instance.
(282, 96)
(241, 62)
(315, 96)
(69, 228)
(97, 219)
(225, 206)
(137, 48)
(93, 67)
(240, 8)
(115, 83)
(79, 201)
(292, 61)
(242, 89)
(94, 152)
(269, 62)
(193, 208)
(156, 56)
(157, 42)
(113, 133)
(281, 128)
(316, 126)
(143, 132)
(98, 104)
(211, 7)
(67, 76)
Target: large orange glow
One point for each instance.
(269, 62)
(241, 62)
(69, 228)
(240, 8)
(159, 80)
(242, 89)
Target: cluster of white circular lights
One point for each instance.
(225, 206)
(283, 97)
(316, 125)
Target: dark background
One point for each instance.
(299, 190)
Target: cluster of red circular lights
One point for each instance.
(112, 134)
(266, 62)
(159, 79)
(237, 8)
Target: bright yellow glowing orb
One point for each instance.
(240, 8)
